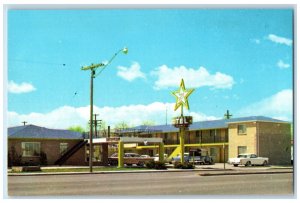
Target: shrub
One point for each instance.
(15, 158)
(156, 165)
(43, 158)
(160, 165)
(150, 164)
(185, 165)
(9, 162)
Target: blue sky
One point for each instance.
(237, 59)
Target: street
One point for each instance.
(144, 184)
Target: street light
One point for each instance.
(93, 68)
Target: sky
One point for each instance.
(239, 60)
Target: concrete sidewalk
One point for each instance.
(205, 170)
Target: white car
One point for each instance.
(156, 157)
(248, 160)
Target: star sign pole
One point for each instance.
(182, 122)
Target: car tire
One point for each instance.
(235, 165)
(265, 163)
(248, 163)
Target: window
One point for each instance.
(63, 147)
(242, 149)
(31, 148)
(242, 129)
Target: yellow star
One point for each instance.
(182, 96)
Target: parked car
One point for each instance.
(248, 160)
(156, 158)
(130, 159)
(145, 156)
(200, 156)
(202, 160)
(177, 158)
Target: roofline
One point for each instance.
(248, 121)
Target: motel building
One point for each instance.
(221, 139)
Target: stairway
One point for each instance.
(69, 153)
(175, 152)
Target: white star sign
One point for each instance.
(182, 95)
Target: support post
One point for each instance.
(224, 154)
(161, 152)
(121, 155)
(181, 139)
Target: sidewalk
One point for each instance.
(205, 170)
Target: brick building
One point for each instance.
(32, 145)
(220, 139)
(223, 138)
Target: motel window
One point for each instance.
(165, 140)
(242, 129)
(31, 149)
(63, 147)
(242, 149)
(197, 134)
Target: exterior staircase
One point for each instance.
(70, 152)
(175, 152)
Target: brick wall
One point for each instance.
(266, 139)
(51, 148)
(274, 141)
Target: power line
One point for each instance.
(39, 62)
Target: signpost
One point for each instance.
(182, 122)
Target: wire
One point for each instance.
(112, 58)
(40, 62)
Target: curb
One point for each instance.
(110, 172)
(206, 172)
(244, 173)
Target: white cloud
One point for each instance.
(279, 105)
(280, 40)
(168, 77)
(134, 115)
(20, 88)
(131, 73)
(282, 65)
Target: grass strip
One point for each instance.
(72, 170)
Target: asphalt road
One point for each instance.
(145, 184)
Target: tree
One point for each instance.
(122, 125)
(103, 128)
(148, 123)
(76, 128)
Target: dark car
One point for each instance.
(177, 158)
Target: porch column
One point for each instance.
(121, 155)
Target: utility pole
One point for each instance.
(166, 115)
(96, 122)
(93, 68)
(227, 115)
(91, 120)
(24, 122)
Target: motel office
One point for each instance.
(220, 139)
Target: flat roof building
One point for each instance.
(221, 139)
